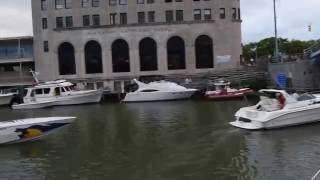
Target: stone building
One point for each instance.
(115, 40)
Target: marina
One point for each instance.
(159, 90)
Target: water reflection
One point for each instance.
(165, 140)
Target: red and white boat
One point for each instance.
(223, 91)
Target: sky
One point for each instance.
(294, 17)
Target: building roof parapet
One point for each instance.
(16, 38)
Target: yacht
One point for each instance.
(277, 109)
(60, 92)
(223, 91)
(30, 129)
(158, 91)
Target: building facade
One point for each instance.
(16, 60)
(121, 39)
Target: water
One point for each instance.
(183, 140)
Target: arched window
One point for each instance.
(148, 55)
(93, 57)
(176, 53)
(204, 52)
(120, 56)
(66, 58)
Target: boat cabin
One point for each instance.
(48, 90)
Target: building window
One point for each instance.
(123, 18)
(148, 55)
(120, 56)
(85, 3)
(222, 13)
(44, 23)
(123, 2)
(140, 1)
(69, 21)
(59, 22)
(169, 16)
(59, 4)
(150, 1)
(95, 3)
(96, 20)
(44, 5)
(68, 4)
(45, 46)
(112, 2)
(234, 13)
(176, 53)
(93, 57)
(86, 20)
(179, 15)
(207, 14)
(151, 16)
(204, 52)
(66, 59)
(141, 17)
(113, 18)
(197, 14)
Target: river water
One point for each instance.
(183, 140)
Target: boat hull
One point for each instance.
(81, 98)
(5, 99)
(224, 97)
(158, 96)
(279, 120)
(33, 105)
(31, 129)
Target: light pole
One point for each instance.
(276, 51)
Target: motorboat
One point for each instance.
(60, 92)
(30, 129)
(158, 91)
(222, 90)
(277, 109)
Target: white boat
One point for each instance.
(158, 91)
(30, 129)
(5, 98)
(271, 113)
(60, 92)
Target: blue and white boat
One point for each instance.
(31, 129)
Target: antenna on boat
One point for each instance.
(276, 52)
(35, 75)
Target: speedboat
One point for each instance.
(158, 91)
(5, 97)
(272, 112)
(60, 92)
(222, 90)
(30, 129)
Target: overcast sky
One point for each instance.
(294, 17)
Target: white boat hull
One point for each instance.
(245, 118)
(83, 98)
(158, 96)
(33, 105)
(5, 99)
(74, 98)
(30, 129)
